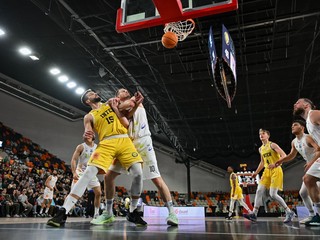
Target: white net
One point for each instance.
(181, 28)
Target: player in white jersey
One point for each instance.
(305, 109)
(50, 184)
(141, 136)
(309, 150)
(79, 162)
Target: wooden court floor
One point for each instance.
(210, 228)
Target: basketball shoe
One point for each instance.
(252, 217)
(103, 218)
(172, 219)
(135, 217)
(289, 217)
(59, 219)
(315, 221)
(303, 221)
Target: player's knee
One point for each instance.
(97, 193)
(90, 172)
(158, 182)
(110, 176)
(136, 171)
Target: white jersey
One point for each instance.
(313, 130)
(139, 126)
(53, 181)
(302, 147)
(85, 156)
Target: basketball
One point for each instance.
(169, 40)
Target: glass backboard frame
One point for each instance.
(170, 11)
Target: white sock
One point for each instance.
(96, 211)
(109, 203)
(47, 210)
(133, 204)
(169, 205)
(41, 211)
(69, 203)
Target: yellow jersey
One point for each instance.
(268, 155)
(236, 180)
(106, 123)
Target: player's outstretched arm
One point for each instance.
(75, 156)
(293, 153)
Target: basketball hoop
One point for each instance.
(181, 28)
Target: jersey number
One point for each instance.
(110, 119)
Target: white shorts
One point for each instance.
(92, 184)
(145, 149)
(314, 170)
(48, 194)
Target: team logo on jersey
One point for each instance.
(134, 154)
(149, 148)
(95, 155)
(152, 168)
(143, 126)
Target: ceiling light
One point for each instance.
(55, 71)
(71, 84)
(2, 32)
(63, 78)
(79, 90)
(34, 57)
(25, 51)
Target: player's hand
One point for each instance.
(75, 176)
(138, 97)
(51, 189)
(88, 134)
(254, 174)
(114, 102)
(272, 166)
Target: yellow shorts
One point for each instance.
(120, 148)
(272, 178)
(237, 194)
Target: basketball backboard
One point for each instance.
(138, 14)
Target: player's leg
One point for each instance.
(49, 201)
(132, 161)
(151, 171)
(75, 194)
(258, 198)
(231, 208)
(244, 205)
(277, 184)
(43, 206)
(307, 202)
(275, 196)
(109, 192)
(164, 191)
(97, 200)
(310, 179)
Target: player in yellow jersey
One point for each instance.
(272, 179)
(111, 127)
(236, 193)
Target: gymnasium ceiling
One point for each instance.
(278, 57)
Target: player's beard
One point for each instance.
(96, 100)
(298, 112)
